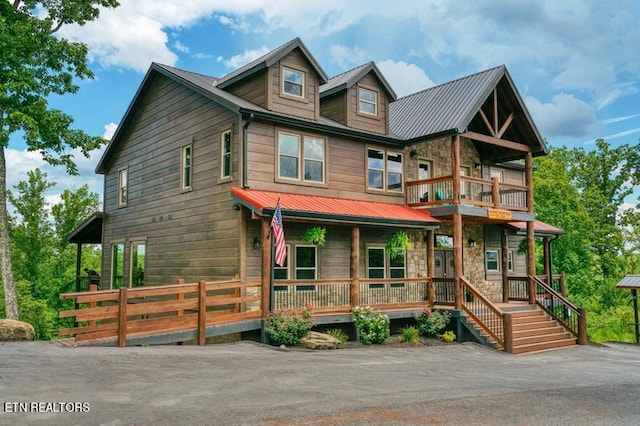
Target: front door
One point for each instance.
(443, 260)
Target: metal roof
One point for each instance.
(330, 209)
(271, 58)
(348, 78)
(89, 231)
(539, 228)
(446, 107)
(630, 281)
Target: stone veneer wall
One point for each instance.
(439, 152)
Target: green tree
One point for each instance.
(35, 64)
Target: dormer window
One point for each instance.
(293, 82)
(367, 101)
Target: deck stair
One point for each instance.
(533, 330)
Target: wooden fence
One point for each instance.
(147, 310)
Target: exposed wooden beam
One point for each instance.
(505, 126)
(495, 111)
(496, 141)
(486, 122)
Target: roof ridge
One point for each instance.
(187, 71)
(451, 82)
(349, 71)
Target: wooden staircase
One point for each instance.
(533, 330)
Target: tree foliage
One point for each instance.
(35, 64)
(44, 261)
(586, 192)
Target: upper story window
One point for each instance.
(293, 82)
(225, 154)
(123, 187)
(301, 157)
(384, 170)
(367, 101)
(186, 167)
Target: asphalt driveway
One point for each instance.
(44, 383)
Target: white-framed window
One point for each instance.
(117, 265)
(425, 169)
(293, 82)
(136, 271)
(282, 272)
(510, 260)
(123, 186)
(185, 176)
(376, 262)
(306, 266)
(492, 260)
(301, 157)
(384, 170)
(367, 101)
(496, 174)
(226, 146)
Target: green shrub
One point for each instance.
(288, 327)
(372, 327)
(432, 323)
(410, 334)
(449, 336)
(338, 334)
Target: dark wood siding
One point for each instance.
(189, 234)
(309, 107)
(368, 123)
(253, 89)
(345, 167)
(334, 107)
(492, 242)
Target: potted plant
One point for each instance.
(316, 235)
(398, 243)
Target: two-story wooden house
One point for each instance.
(197, 165)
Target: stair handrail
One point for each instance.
(569, 316)
(494, 326)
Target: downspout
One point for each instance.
(245, 149)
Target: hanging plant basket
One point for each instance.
(398, 244)
(316, 236)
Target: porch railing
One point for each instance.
(330, 295)
(136, 311)
(572, 318)
(444, 291)
(519, 286)
(487, 316)
(473, 191)
(395, 291)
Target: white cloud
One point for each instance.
(564, 116)
(243, 58)
(404, 78)
(109, 130)
(181, 47)
(347, 57)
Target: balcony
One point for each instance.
(475, 192)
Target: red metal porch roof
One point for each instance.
(539, 227)
(300, 206)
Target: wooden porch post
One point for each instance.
(266, 268)
(78, 266)
(457, 259)
(455, 167)
(431, 266)
(354, 261)
(202, 313)
(505, 266)
(531, 244)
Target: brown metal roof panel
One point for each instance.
(629, 281)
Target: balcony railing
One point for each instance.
(473, 191)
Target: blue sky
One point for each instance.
(575, 62)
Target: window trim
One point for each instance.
(224, 154)
(385, 170)
(123, 190)
(131, 252)
(302, 158)
(486, 260)
(511, 260)
(384, 257)
(286, 268)
(112, 276)
(374, 103)
(186, 170)
(315, 268)
(283, 91)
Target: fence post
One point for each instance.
(92, 288)
(507, 331)
(122, 317)
(582, 326)
(202, 312)
(180, 298)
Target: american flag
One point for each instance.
(278, 233)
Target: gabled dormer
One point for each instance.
(286, 80)
(359, 99)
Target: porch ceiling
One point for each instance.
(329, 209)
(89, 232)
